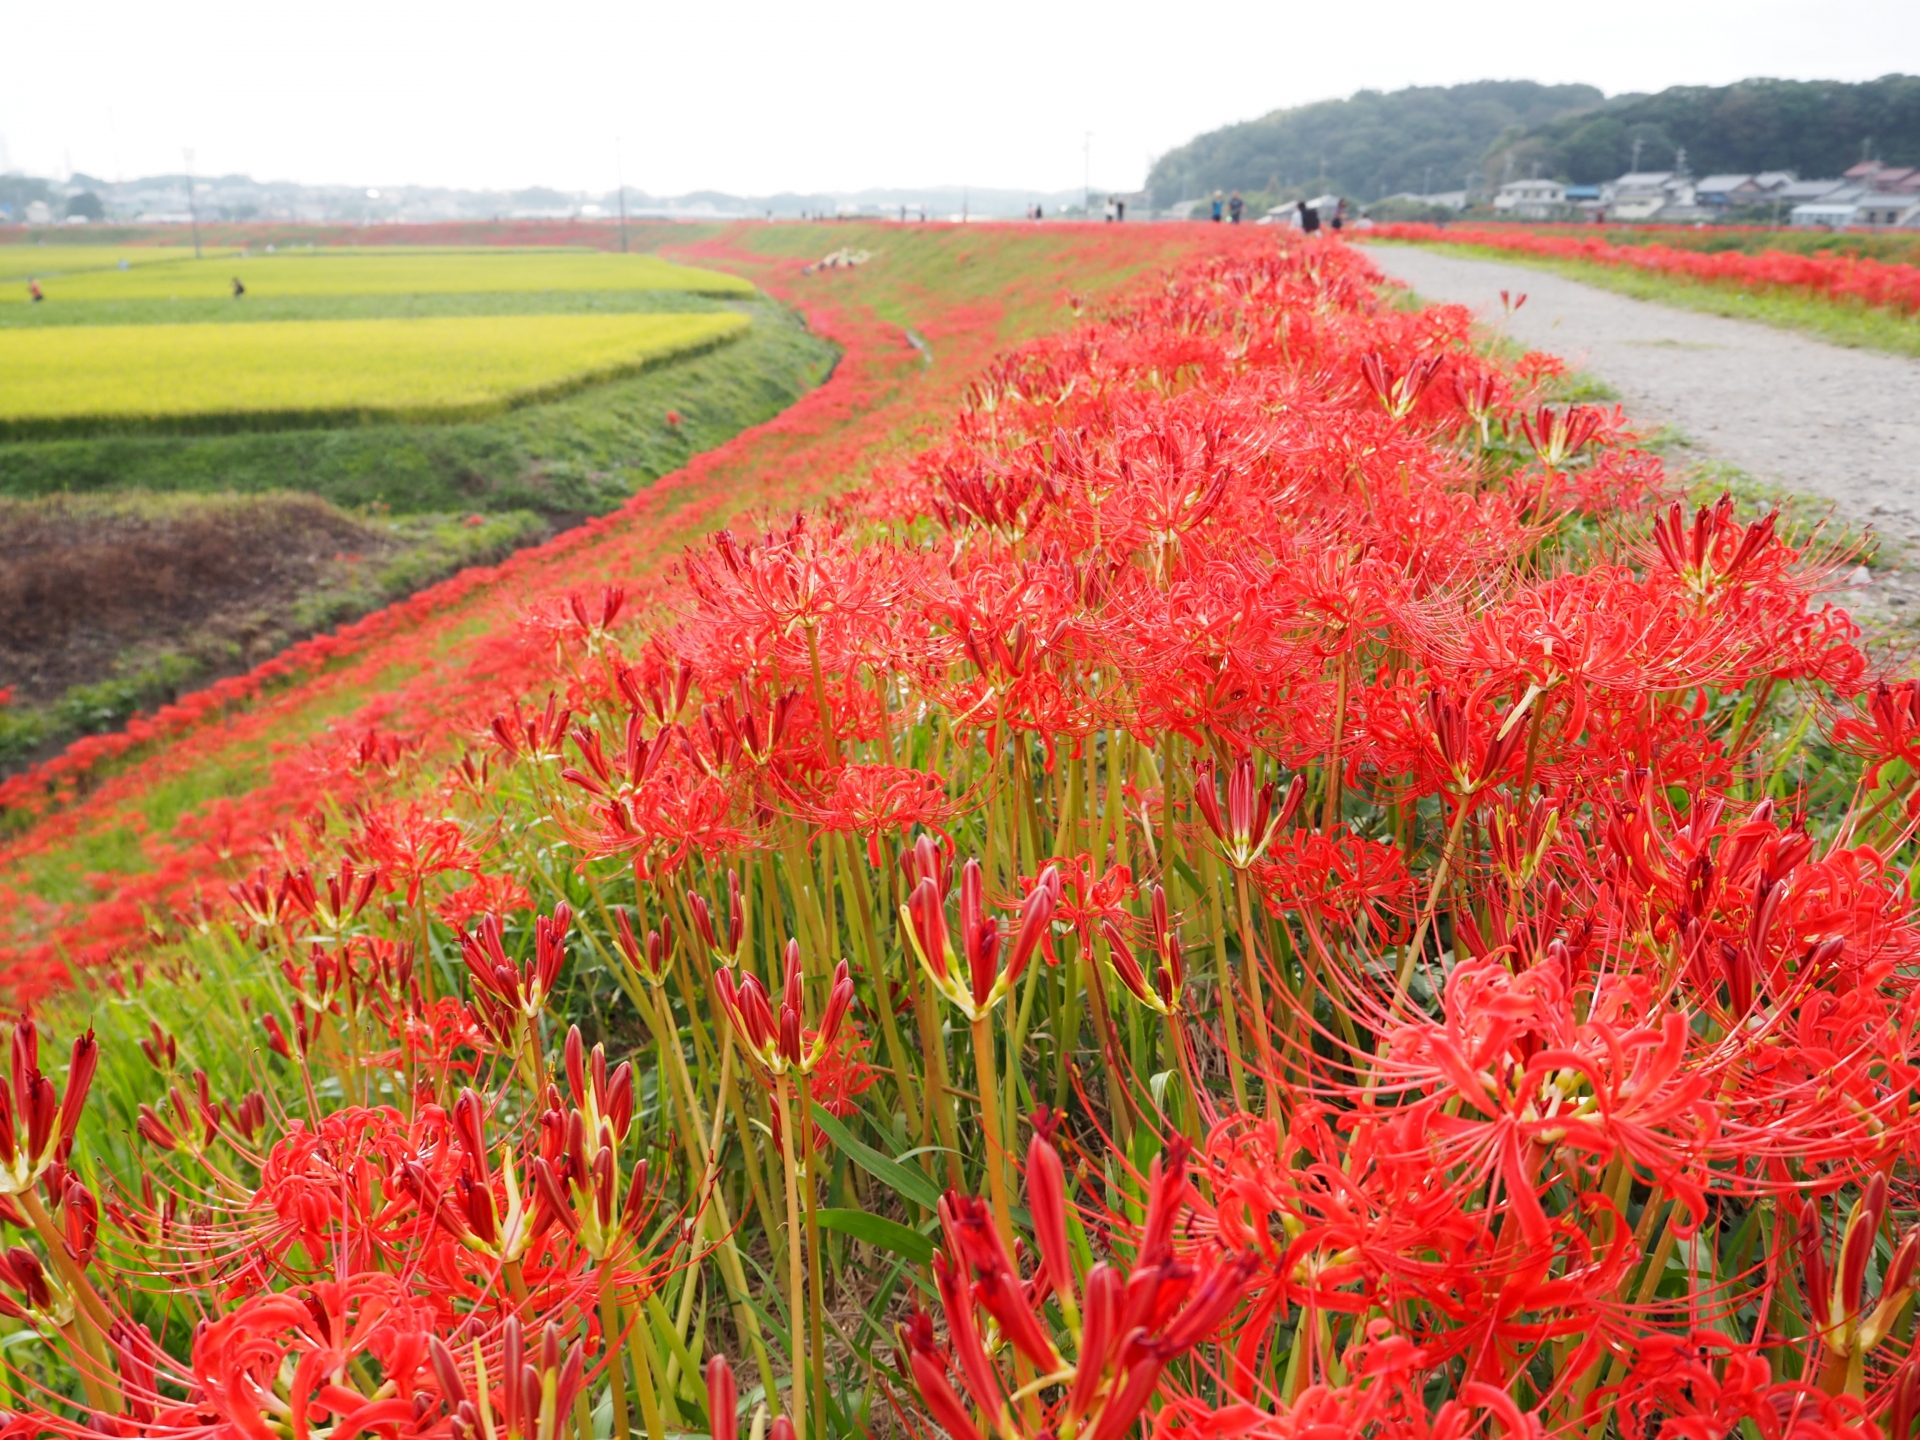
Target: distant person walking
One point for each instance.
(1340, 214)
(1309, 217)
(1119, 209)
(1219, 205)
(1236, 207)
(33, 289)
(238, 288)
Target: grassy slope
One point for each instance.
(75, 880)
(1840, 322)
(581, 455)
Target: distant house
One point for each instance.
(1532, 200)
(1644, 194)
(1897, 210)
(1835, 210)
(1883, 179)
(1720, 191)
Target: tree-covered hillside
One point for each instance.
(1815, 127)
(1373, 144)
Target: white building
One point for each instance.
(1643, 194)
(1532, 200)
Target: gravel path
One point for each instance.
(1790, 410)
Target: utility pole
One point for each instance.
(1638, 141)
(193, 208)
(620, 169)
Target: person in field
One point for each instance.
(1219, 204)
(1309, 217)
(1236, 207)
(33, 289)
(238, 288)
(1340, 214)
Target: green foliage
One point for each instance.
(1814, 127)
(1374, 144)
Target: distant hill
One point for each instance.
(1377, 143)
(1815, 127)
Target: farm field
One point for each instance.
(104, 377)
(23, 262)
(380, 272)
(445, 426)
(1183, 849)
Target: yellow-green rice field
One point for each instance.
(86, 378)
(66, 274)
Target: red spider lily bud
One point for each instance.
(154, 1130)
(736, 913)
(1001, 1295)
(619, 1103)
(549, 939)
(982, 1380)
(839, 1001)
(1047, 1199)
(925, 914)
(633, 1209)
(80, 1070)
(469, 1128)
(1207, 1307)
(1856, 1246)
(1166, 942)
(1896, 1287)
(21, 1268)
(979, 935)
(276, 1037)
(1813, 1257)
(1737, 963)
(555, 1197)
(746, 1005)
(702, 922)
(1036, 915)
(452, 1388)
(1097, 1337)
(575, 1055)
(781, 1429)
(1119, 1413)
(791, 980)
(81, 1214)
(1126, 967)
(930, 1378)
(161, 1049)
(789, 1043)
(723, 1402)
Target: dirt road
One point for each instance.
(1795, 412)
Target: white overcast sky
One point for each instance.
(834, 95)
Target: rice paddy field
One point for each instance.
(256, 376)
(68, 273)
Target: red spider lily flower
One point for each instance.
(511, 996)
(728, 953)
(1255, 813)
(1399, 392)
(778, 1041)
(1558, 435)
(655, 959)
(924, 922)
(1169, 981)
(1718, 550)
(36, 1122)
